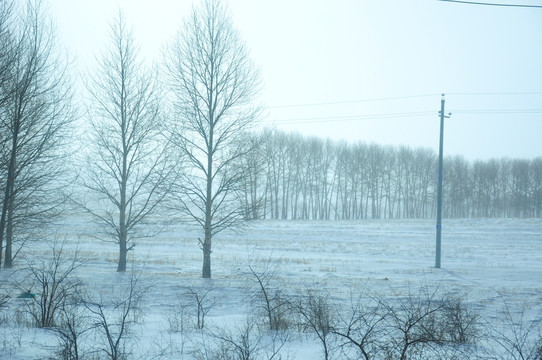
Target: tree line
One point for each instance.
(309, 178)
(146, 139)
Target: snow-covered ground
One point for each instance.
(491, 262)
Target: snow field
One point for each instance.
(491, 261)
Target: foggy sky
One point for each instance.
(397, 56)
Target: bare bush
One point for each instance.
(10, 340)
(513, 337)
(426, 324)
(163, 347)
(177, 317)
(460, 321)
(362, 327)
(269, 300)
(318, 317)
(114, 318)
(4, 299)
(55, 282)
(412, 324)
(179, 320)
(203, 303)
(244, 342)
(430, 323)
(72, 328)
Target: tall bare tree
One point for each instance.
(35, 120)
(213, 82)
(127, 159)
(7, 60)
(7, 47)
(252, 166)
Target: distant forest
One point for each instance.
(292, 176)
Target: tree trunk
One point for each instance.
(123, 236)
(8, 263)
(10, 179)
(206, 246)
(123, 251)
(206, 271)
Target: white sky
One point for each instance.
(323, 51)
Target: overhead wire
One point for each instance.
(351, 117)
(499, 111)
(340, 102)
(493, 4)
(413, 114)
(496, 93)
(417, 114)
(351, 101)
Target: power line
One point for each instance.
(351, 117)
(496, 93)
(417, 114)
(499, 111)
(351, 101)
(493, 4)
(339, 102)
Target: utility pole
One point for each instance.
(439, 191)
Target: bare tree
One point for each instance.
(253, 166)
(213, 82)
(7, 49)
(536, 186)
(7, 60)
(35, 118)
(127, 160)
